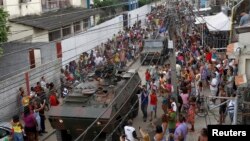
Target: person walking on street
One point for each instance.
(153, 104)
(181, 130)
(144, 102)
(171, 122)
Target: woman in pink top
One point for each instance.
(30, 125)
(184, 97)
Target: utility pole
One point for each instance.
(172, 59)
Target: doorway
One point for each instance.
(35, 58)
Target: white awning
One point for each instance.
(218, 22)
(202, 9)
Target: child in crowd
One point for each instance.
(17, 129)
(191, 112)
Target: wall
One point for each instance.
(9, 87)
(79, 3)
(245, 53)
(18, 31)
(16, 9)
(16, 57)
(74, 46)
(15, 72)
(88, 40)
(140, 13)
(40, 36)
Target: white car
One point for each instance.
(5, 131)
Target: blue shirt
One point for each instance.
(244, 19)
(144, 97)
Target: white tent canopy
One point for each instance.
(218, 22)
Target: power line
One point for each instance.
(131, 109)
(36, 77)
(62, 38)
(42, 45)
(99, 116)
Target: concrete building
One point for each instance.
(22, 65)
(17, 8)
(54, 25)
(240, 51)
(26, 14)
(20, 57)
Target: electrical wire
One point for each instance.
(93, 123)
(132, 108)
(69, 58)
(88, 31)
(48, 70)
(41, 45)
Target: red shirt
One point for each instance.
(153, 99)
(147, 75)
(38, 89)
(53, 100)
(209, 56)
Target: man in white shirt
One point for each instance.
(130, 132)
(178, 70)
(214, 86)
(230, 108)
(98, 60)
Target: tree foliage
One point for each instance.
(103, 3)
(3, 28)
(144, 2)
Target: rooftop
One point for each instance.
(56, 19)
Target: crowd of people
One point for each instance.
(118, 51)
(197, 68)
(202, 73)
(32, 111)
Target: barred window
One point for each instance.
(77, 26)
(53, 35)
(66, 30)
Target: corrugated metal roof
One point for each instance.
(56, 19)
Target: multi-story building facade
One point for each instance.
(29, 19)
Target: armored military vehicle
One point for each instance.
(155, 50)
(108, 89)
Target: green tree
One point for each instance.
(144, 2)
(108, 7)
(3, 28)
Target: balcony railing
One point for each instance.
(48, 5)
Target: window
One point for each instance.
(77, 26)
(66, 30)
(54, 4)
(25, 1)
(53, 35)
(35, 58)
(85, 24)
